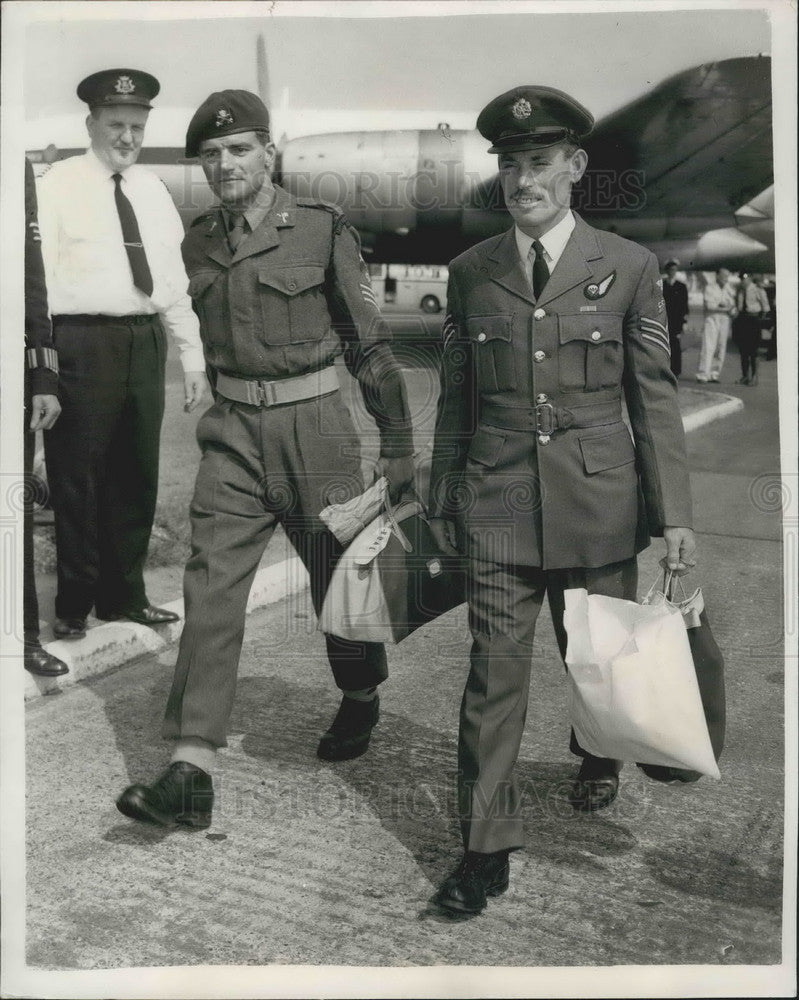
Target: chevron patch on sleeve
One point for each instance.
(655, 333)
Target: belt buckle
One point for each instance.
(267, 396)
(545, 418)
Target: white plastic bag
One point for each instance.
(633, 689)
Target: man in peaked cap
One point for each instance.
(535, 475)
(116, 281)
(675, 295)
(281, 291)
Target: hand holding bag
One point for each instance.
(633, 688)
(391, 579)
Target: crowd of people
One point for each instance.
(550, 326)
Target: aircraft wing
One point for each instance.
(686, 155)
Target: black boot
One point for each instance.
(476, 877)
(349, 733)
(182, 796)
(597, 783)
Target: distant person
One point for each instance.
(535, 475)
(770, 288)
(111, 243)
(282, 291)
(719, 302)
(41, 412)
(675, 295)
(752, 306)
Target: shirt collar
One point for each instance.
(553, 241)
(102, 169)
(258, 211)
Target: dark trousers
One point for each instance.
(260, 467)
(30, 602)
(747, 337)
(504, 603)
(102, 459)
(676, 354)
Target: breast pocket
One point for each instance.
(591, 353)
(293, 303)
(492, 339)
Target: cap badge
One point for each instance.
(521, 109)
(223, 117)
(124, 85)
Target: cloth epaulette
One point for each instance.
(203, 217)
(339, 219)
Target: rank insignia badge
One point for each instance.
(597, 289)
(124, 85)
(223, 117)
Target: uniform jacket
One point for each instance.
(41, 358)
(531, 455)
(295, 296)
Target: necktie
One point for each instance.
(236, 232)
(540, 269)
(137, 258)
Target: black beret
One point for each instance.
(118, 86)
(226, 112)
(532, 117)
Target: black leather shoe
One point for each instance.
(476, 877)
(148, 615)
(597, 784)
(182, 796)
(39, 661)
(349, 733)
(658, 772)
(69, 628)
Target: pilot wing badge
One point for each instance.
(597, 289)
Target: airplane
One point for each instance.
(686, 169)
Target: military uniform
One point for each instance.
(278, 444)
(41, 378)
(675, 295)
(547, 485)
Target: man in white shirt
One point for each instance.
(111, 246)
(719, 299)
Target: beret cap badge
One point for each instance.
(224, 117)
(521, 109)
(124, 85)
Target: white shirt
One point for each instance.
(719, 299)
(554, 243)
(85, 262)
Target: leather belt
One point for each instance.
(546, 418)
(101, 319)
(262, 392)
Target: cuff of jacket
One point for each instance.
(396, 443)
(43, 382)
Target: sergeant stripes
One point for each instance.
(655, 333)
(449, 329)
(368, 294)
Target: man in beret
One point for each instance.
(675, 295)
(535, 475)
(281, 291)
(111, 246)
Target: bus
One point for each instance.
(410, 288)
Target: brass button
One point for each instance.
(292, 285)
(539, 314)
(481, 336)
(541, 397)
(539, 356)
(543, 438)
(596, 335)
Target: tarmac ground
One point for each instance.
(308, 863)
